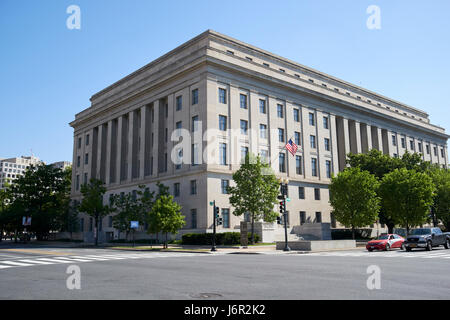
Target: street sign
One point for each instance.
(288, 199)
(26, 221)
(134, 224)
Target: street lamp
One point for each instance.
(284, 192)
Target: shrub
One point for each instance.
(346, 234)
(225, 238)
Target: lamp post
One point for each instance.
(284, 188)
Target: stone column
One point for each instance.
(144, 115)
(108, 153)
(119, 149)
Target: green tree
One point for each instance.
(165, 216)
(131, 208)
(407, 196)
(255, 192)
(441, 201)
(92, 202)
(42, 193)
(353, 196)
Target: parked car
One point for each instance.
(427, 238)
(386, 242)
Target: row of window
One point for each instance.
(419, 144)
(263, 109)
(13, 165)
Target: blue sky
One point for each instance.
(48, 72)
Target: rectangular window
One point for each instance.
(226, 218)
(179, 103)
(281, 162)
(403, 143)
(77, 185)
(318, 217)
(296, 115)
(411, 144)
(86, 158)
(316, 193)
(301, 192)
(85, 181)
(222, 95)
(165, 162)
(312, 140)
(194, 154)
(223, 153)
(176, 189)
(222, 123)
(194, 218)
(87, 139)
(262, 106)
(78, 161)
(178, 126)
(435, 151)
(280, 110)
(325, 122)
(311, 119)
(263, 131)
(298, 164)
(327, 144)
(394, 140)
(244, 127)
(302, 217)
(194, 96)
(314, 167)
(297, 138)
(224, 184)
(328, 168)
(193, 186)
(243, 99)
(280, 135)
(244, 152)
(428, 149)
(442, 153)
(264, 156)
(79, 143)
(194, 123)
(420, 146)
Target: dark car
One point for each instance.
(427, 238)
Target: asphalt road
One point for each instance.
(41, 273)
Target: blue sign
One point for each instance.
(134, 224)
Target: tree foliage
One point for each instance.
(255, 192)
(407, 196)
(353, 196)
(165, 216)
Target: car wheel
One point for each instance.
(429, 246)
(402, 247)
(370, 250)
(447, 244)
(387, 247)
(408, 249)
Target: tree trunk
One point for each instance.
(353, 232)
(166, 244)
(253, 230)
(96, 230)
(390, 227)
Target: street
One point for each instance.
(41, 273)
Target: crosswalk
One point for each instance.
(51, 260)
(437, 254)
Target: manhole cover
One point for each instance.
(205, 295)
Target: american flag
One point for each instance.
(291, 146)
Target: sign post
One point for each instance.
(134, 225)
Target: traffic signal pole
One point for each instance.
(283, 189)
(214, 228)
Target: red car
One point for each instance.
(386, 242)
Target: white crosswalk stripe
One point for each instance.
(88, 258)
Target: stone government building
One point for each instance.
(217, 82)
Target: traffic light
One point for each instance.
(219, 221)
(279, 220)
(216, 212)
(282, 206)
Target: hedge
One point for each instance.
(346, 234)
(225, 238)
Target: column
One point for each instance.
(129, 155)
(142, 134)
(108, 153)
(119, 148)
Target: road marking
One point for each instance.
(4, 267)
(70, 259)
(47, 252)
(35, 261)
(14, 263)
(53, 260)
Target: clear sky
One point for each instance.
(49, 72)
